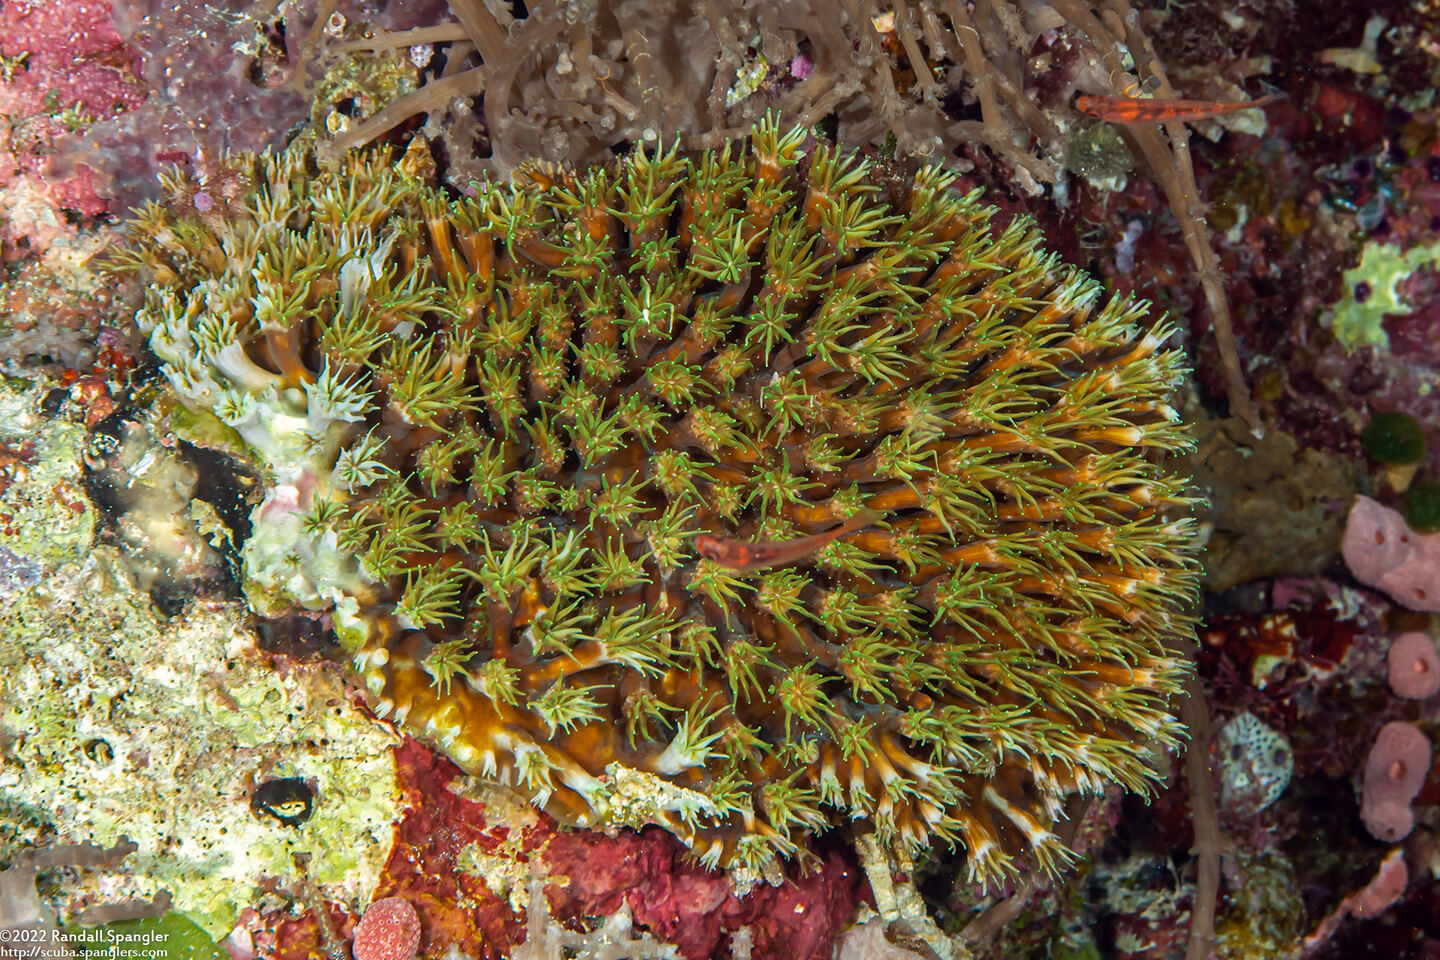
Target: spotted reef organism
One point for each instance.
(493, 430)
(1256, 764)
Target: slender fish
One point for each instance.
(1135, 110)
(760, 554)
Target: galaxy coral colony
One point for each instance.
(493, 431)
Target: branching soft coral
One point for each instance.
(528, 446)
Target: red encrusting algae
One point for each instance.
(697, 909)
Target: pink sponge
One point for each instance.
(1414, 668)
(1394, 773)
(389, 930)
(1383, 552)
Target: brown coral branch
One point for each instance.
(483, 28)
(1174, 171)
(873, 63)
(649, 81)
(831, 47)
(999, 141)
(924, 78)
(837, 91)
(988, 81)
(997, 917)
(104, 913)
(1195, 711)
(983, 82)
(432, 96)
(441, 33)
(299, 78)
(538, 30)
(1191, 213)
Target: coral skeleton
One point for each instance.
(716, 473)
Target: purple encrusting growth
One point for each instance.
(16, 572)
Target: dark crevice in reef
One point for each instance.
(298, 635)
(148, 497)
(226, 485)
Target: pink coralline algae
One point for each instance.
(1383, 552)
(1394, 773)
(458, 911)
(203, 93)
(697, 909)
(669, 895)
(1377, 896)
(389, 930)
(69, 54)
(1413, 667)
(65, 66)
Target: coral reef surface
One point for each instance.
(117, 722)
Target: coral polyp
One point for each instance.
(941, 561)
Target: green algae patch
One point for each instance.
(1393, 438)
(173, 936)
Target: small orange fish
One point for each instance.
(1136, 110)
(761, 554)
